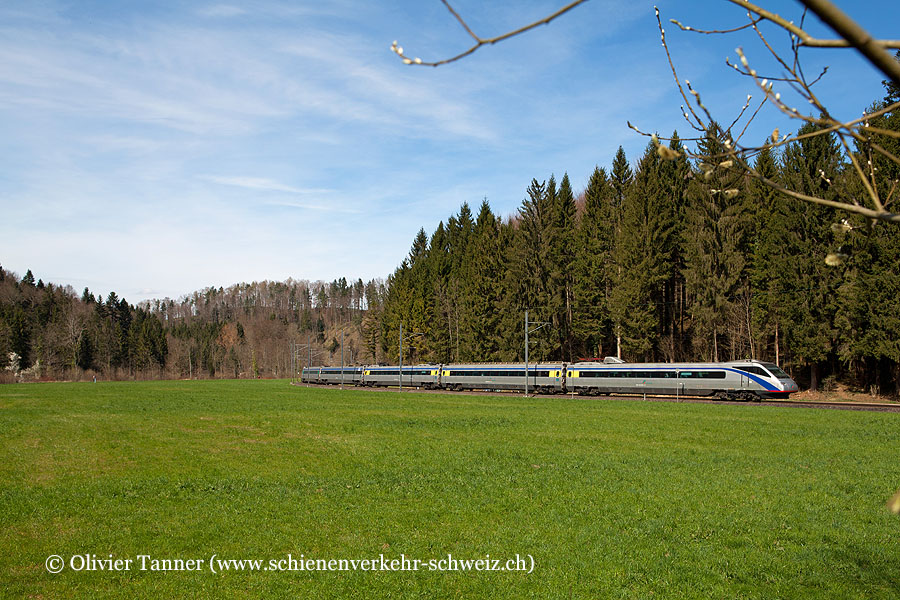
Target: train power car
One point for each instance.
(747, 380)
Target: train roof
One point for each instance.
(519, 365)
(669, 365)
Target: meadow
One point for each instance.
(611, 499)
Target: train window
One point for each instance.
(702, 374)
(663, 374)
(711, 374)
(754, 370)
(774, 370)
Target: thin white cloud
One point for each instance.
(334, 207)
(152, 80)
(262, 184)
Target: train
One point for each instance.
(735, 380)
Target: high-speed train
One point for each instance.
(744, 379)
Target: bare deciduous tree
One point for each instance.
(860, 133)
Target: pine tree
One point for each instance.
(674, 175)
(439, 267)
(769, 271)
(621, 179)
(531, 262)
(512, 304)
(483, 280)
(459, 232)
(84, 355)
(713, 244)
(596, 233)
(869, 312)
(642, 260)
(563, 248)
(409, 305)
(812, 166)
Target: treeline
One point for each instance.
(245, 330)
(669, 261)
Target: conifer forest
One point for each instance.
(646, 263)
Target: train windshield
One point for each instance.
(776, 371)
(754, 370)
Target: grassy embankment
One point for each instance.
(612, 499)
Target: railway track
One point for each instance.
(832, 405)
(825, 404)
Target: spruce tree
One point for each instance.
(769, 272)
(439, 267)
(674, 176)
(483, 280)
(531, 263)
(563, 244)
(621, 180)
(596, 233)
(812, 166)
(869, 314)
(642, 246)
(713, 239)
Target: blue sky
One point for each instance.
(155, 148)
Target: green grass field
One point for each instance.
(612, 499)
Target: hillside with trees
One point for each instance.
(245, 330)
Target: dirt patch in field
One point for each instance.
(841, 396)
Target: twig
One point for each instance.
(479, 41)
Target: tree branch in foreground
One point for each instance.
(479, 41)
